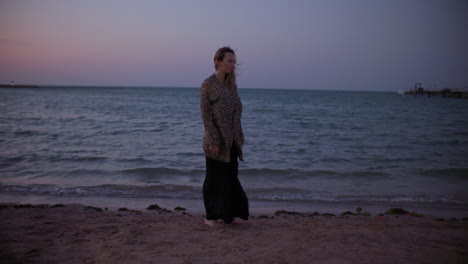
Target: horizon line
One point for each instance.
(2, 85)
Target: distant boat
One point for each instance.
(14, 85)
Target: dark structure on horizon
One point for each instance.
(445, 92)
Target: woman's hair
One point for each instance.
(230, 79)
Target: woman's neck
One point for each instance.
(220, 75)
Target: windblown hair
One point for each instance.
(230, 79)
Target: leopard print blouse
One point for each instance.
(221, 110)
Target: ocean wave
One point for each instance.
(73, 173)
(267, 172)
(460, 133)
(458, 173)
(289, 174)
(12, 160)
(449, 142)
(297, 195)
(28, 157)
(70, 156)
(147, 171)
(176, 175)
(195, 192)
(189, 154)
(107, 190)
(57, 158)
(27, 133)
(135, 160)
(361, 174)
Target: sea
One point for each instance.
(304, 149)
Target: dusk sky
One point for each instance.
(382, 45)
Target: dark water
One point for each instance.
(300, 145)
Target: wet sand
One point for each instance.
(78, 234)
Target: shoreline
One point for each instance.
(73, 233)
(196, 206)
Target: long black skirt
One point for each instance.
(223, 195)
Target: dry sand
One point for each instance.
(74, 234)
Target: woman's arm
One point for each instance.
(206, 107)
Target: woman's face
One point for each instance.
(228, 64)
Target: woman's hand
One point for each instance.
(214, 150)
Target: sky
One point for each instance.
(379, 45)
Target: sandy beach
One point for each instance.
(74, 233)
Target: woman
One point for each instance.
(221, 110)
